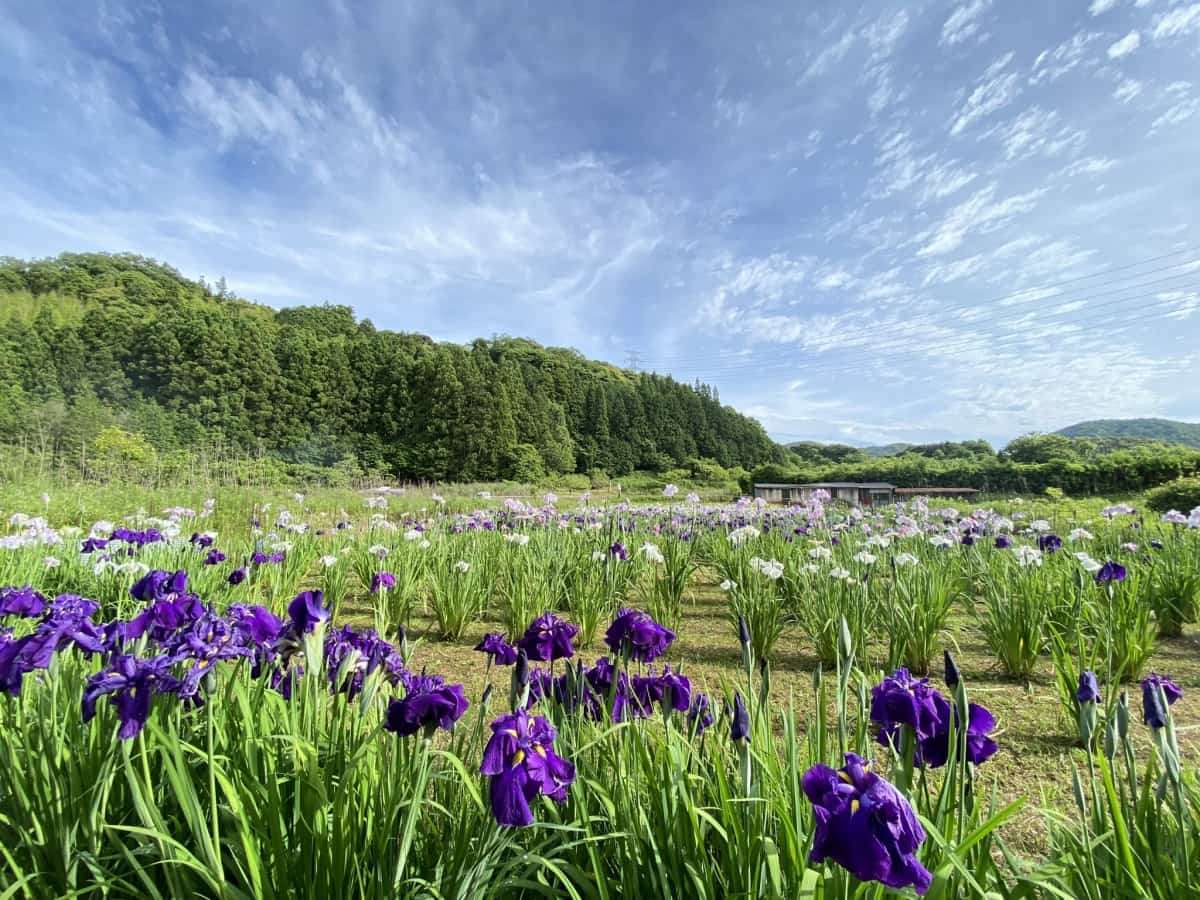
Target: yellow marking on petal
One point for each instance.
(518, 757)
(539, 750)
(846, 778)
(854, 804)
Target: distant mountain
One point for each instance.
(888, 449)
(1165, 430)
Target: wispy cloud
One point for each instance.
(1178, 22)
(964, 23)
(829, 212)
(1125, 46)
(995, 89)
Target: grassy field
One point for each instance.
(1039, 747)
(1037, 743)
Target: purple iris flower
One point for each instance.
(1110, 571)
(865, 825)
(1089, 688)
(13, 662)
(495, 646)
(900, 700)
(428, 703)
(619, 551)
(739, 723)
(541, 685)
(968, 539)
(670, 688)
(162, 618)
(68, 621)
(132, 684)
(612, 685)
(202, 541)
(353, 655)
(159, 585)
(207, 641)
(1003, 542)
(700, 716)
(382, 581)
(521, 761)
(306, 611)
(637, 632)
(934, 751)
(214, 557)
(140, 538)
(1154, 688)
(21, 601)
(549, 638)
(92, 544)
(237, 576)
(1048, 543)
(258, 623)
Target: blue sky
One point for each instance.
(871, 223)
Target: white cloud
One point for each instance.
(835, 279)
(1178, 112)
(1180, 21)
(1182, 303)
(832, 54)
(1127, 90)
(1099, 7)
(944, 179)
(944, 273)
(1051, 65)
(995, 90)
(1036, 132)
(1089, 165)
(883, 36)
(1125, 46)
(963, 23)
(981, 213)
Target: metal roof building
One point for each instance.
(858, 493)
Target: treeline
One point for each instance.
(1028, 464)
(90, 342)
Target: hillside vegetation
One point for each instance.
(95, 343)
(1031, 463)
(1164, 430)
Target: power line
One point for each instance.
(984, 342)
(979, 342)
(1009, 299)
(867, 351)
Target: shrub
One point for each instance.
(526, 465)
(1182, 494)
(570, 482)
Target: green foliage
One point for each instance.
(1181, 494)
(526, 464)
(122, 446)
(1165, 430)
(92, 341)
(1029, 464)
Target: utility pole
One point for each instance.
(633, 360)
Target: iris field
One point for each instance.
(380, 695)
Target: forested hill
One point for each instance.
(93, 340)
(1165, 430)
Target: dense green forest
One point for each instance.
(1165, 430)
(1027, 464)
(95, 345)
